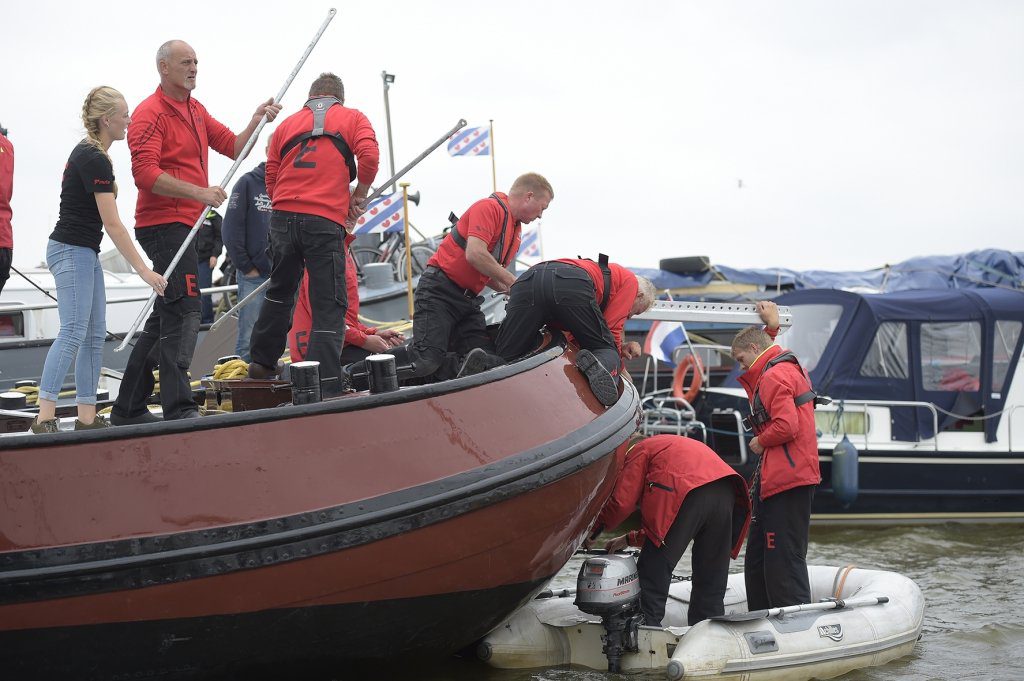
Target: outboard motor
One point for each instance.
(609, 587)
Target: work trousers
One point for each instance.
(775, 564)
(447, 324)
(299, 240)
(168, 338)
(205, 275)
(705, 518)
(5, 266)
(556, 293)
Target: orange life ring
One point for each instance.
(679, 377)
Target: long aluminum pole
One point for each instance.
(369, 199)
(227, 178)
(408, 247)
(387, 117)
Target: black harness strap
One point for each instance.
(606, 277)
(319, 107)
(606, 272)
(503, 257)
(759, 414)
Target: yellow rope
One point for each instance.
(400, 325)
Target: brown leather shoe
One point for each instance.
(260, 372)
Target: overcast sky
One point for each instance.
(797, 134)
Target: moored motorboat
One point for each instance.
(927, 388)
(370, 526)
(868, 618)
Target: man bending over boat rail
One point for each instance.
(782, 487)
(590, 300)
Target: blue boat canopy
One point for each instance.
(954, 348)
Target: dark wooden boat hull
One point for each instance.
(363, 528)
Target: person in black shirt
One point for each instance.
(87, 206)
(208, 249)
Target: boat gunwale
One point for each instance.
(19, 441)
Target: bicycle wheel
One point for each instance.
(363, 255)
(420, 256)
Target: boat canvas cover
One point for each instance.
(841, 371)
(981, 268)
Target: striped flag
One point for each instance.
(383, 215)
(663, 338)
(529, 247)
(470, 142)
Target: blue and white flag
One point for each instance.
(470, 142)
(663, 338)
(529, 246)
(383, 215)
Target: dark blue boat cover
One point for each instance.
(988, 267)
(962, 372)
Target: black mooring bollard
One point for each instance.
(305, 382)
(381, 373)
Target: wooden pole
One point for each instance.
(408, 247)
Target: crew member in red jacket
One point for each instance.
(591, 300)
(6, 191)
(449, 324)
(782, 416)
(310, 164)
(170, 137)
(685, 493)
(360, 340)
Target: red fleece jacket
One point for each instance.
(168, 136)
(657, 475)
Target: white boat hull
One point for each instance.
(815, 644)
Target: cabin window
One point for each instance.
(12, 324)
(834, 422)
(1003, 345)
(951, 356)
(815, 325)
(887, 357)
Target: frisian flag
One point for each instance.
(383, 215)
(529, 246)
(663, 338)
(470, 142)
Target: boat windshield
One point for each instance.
(813, 326)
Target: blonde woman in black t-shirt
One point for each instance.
(87, 206)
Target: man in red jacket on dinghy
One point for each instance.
(782, 487)
(685, 493)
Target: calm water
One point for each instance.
(972, 577)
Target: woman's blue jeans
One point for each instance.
(82, 306)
